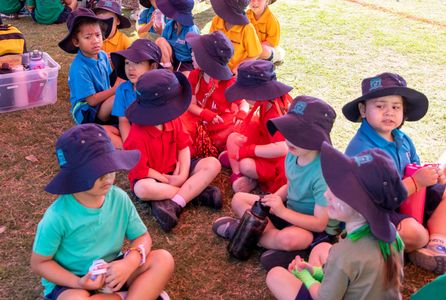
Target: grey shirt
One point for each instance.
(356, 271)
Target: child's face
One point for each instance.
(89, 39)
(258, 6)
(102, 185)
(338, 209)
(134, 70)
(109, 14)
(384, 114)
(295, 150)
(194, 62)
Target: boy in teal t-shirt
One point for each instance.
(50, 11)
(10, 8)
(90, 220)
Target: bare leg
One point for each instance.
(282, 284)
(114, 136)
(413, 234)
(105, 109)
(166, 51)
(437, 222)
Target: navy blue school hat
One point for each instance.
(85, 153)
(75, 16)
(386, 84)
(256, 80)
(232, 11)
(212, 53)
(145, 3)
(369, 183)
(140, 50)
(179, 10)
(307, 124)
(161, 96)
(114, 7)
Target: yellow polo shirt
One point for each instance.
(244, 39)
(116, 43)
(267, 27)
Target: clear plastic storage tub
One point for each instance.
(29, 88)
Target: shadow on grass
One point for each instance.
(204, 17)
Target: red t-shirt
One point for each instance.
(159, 148)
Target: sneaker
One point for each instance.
(163, 296)
(225, 227)
(224, 159)
(166, 213)
(243, 184)
(279, 55)
(278, 258)
(431, 258)
(210, 196)
(10, 16)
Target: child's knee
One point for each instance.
(211, 165)
(248, 167)
(275, 276)
(164, 259)
(143, 188)
(413, 234)
(241, 200)
(291, 240)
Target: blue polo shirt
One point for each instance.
(145, 16)
(87, 76)
(181, 49)
(402, 150)
(125, 95)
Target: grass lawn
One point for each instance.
(331, 45)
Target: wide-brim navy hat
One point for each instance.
(369, 183)
(73, 19)
(86, 153)
(256, 80)
(114, 7)
(140, 50)
(179, 10)
(212, 53)
(415, 103)
(145, 3)
(161, 96)
(307, 124)
(232, 11)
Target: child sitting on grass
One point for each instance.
(130, 64)
(231, 19)
(147, 21)
(50, 12)
(91, 96)
(209, 81)
(385, 104)
(256, 157)
(89, 221)
(267, 28)
(367, 263)
(177, 53)
(165, 174)
(298, 209)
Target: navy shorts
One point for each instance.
(181, 66)
(434, 194)
(304, 293)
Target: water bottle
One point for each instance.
(249, 231)
(158, 19)
(36, 60)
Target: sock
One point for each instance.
(178, 199)
(437, 243)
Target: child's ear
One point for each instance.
(361, 108)
(75, 41)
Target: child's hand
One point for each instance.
(87, 283)
(274, 202)
(426, 176)
(175, 180)
(299, 264)
(217, 119)
(117, 274)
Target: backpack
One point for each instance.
(12, 41)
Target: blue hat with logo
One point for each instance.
(387, 84)
(86, 153)
(307, 124)
(369, 183)
(114, 7)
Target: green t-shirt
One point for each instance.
(46, 11)
(10, 6)
(75, 235)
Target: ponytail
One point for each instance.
(393, 273)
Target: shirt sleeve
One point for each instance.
(144, 17)
(193, 80)
(335, 282)
(319, 189)
(213, 24)
(413, 152)
(135, 226)
(273, 34)
(183, 137)
(49, 235)
(134, 142)
(251, 41)
(80, 83)
(118, 109)
(126, 42)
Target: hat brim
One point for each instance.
(172, 109)
(205, 61)
(226, 13)
(69, 181)
(416, 103)
(124, 22)
(262, 92)
(169, 10)
(299, 132)
(145, 3)
(67, 43)
(339, 174)
(118, 59)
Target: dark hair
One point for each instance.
(88, 21)
(393, 277)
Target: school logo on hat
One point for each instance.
(363, 159)
(299, 107)
(375, 83)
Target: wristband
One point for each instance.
(241, 114)
(305, 277)
(414, 183)
(247, 151)
(318, 273)
(142, 252)
(207, 115)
